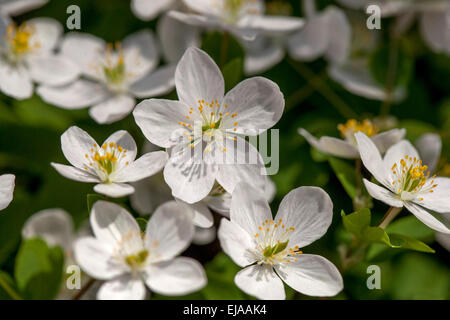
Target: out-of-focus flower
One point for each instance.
(433, 16)
(17, 7)
(27, 55)
(149, 9)
(55, 227)
(111, 165)
(270, 249)
(7, 183)
(406, 182)
(206, 123)
(348, 148)
(114, 75)
(243, 18)
(126, 260)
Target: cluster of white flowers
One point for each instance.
(203, 134)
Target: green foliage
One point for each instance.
(232, 73)
(39, 269)
(346, 175)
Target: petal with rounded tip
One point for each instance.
(76, 144)
(431, 219)
(125, 287)
(7, 183)
(113, 109)
(383, 194)
(144, 167)
(114, 190)
(236, 243)
(261, 282)
(75, 174)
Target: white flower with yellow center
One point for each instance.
(203, 129)
(7, 183)
(244, 18)
(269, 249)
(347, 147)
(406, 182)
(112, 165)
(27, 56)
(126, 259)
(114, 75)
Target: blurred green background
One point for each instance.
(30, 133)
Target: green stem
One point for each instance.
(389, 216)
(84, 289)
(10, 291)
(224, 49)
(323, 89)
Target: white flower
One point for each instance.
(149, 9)
(348, 148)
(7, 183)
(327, 33)
(209, 124)
(244, 18)
(112, 165)
(124, 258)
(17, 7)
(55, 227)
(270, 249)
(114, 75)
(406, 182)
(27, 56)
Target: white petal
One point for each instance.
(148, 10)
(75, 144)
(18, 7)
(330, 145)
(443, 239)
(434, 28)
(53, 70)
(196, 19)
(177, 277)
(386, 139)
(46, 34)
(398, 151)
(261, 282)
(111, 224)
(55, 226)
(383, 194)
(85, 50)
(140, 53)
(204, 236)
(236, 243)
(189, 179)
(261, 55)
(114, 190)
(197, 77)
(157, 83)
(146, 166)
(240, 162)
(80, 94)
(124, 287)
(75, 174)
(206, 7)
(6, 190)
(201, 215)
(312, 275)
(169, 231)
(340, 35)
(371, 158)
(97, 259)
(429, 146)
(114, 109)
(125, 140)
(220, 204)
(15, 81)
(271, 24)
(249, 208)
(158, 120)
(439, 199)
(431, 219)
(357, 79)
(175, 37)
(307, 209)
(258, 103)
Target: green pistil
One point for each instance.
(138, 259)
(271, 251)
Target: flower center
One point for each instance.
(114, 67)
(19, 40)
(233, 9)
(273, 241)
(106, 159)
(352, 126)
(137, 260)
(411, 177)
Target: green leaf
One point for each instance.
(214, 44)
(39, 269)
(5, 294)
(232, 73)
(356, 222)
(142, 222)
(346, 175)
(93, 198)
